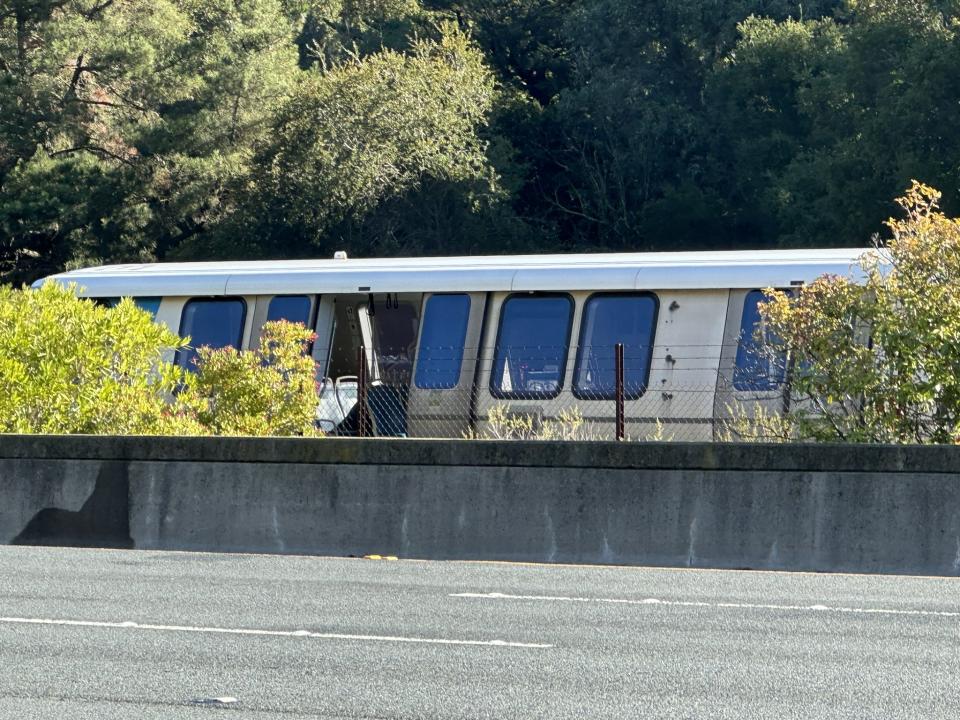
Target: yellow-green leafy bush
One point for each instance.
(267, 391)
(71, 366)
(879, 360)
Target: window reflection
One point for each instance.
(607, 321)
(214, 323)
(441, 341)
(532, 345)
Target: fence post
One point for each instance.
(362, 409)
(618, 368)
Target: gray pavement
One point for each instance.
(134, 634)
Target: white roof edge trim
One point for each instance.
(628, 271)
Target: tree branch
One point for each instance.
(96, 150)
(105, 103)
(97, 9)
(75, 79)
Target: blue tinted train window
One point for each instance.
(441, 341)
(608, 320)
(150, 304)
(212, 323)
(757, 368)
(532, 343)
(292, 308)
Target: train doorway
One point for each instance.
(385, 326)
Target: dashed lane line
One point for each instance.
(270, 633)
(722, 605)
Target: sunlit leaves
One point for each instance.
(71, 366)
(373, 128)
(267, 391)
(879, 361)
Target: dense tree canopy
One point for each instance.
(152, 129)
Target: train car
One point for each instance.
(457, 346)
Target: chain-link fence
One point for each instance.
(692, 393)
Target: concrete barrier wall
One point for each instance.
(798, 507)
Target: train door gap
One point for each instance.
(386, 326)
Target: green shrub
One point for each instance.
(267, 391)
(878, 360)
(68, 365)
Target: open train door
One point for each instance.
(342, 328)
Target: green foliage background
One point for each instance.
(197, 129)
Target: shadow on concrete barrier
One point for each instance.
(884, 509)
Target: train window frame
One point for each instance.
(461, 345)
(577, 393)
(311, 310)
(499, 394)
(752, 383)
(179, 360)
(310, 323)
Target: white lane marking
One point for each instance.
(272, 633)
(694, 603)
(215, 701)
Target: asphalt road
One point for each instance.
(132, 634)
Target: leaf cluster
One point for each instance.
(365, 131)
(267, 391)
(69, 365)
(877, 360)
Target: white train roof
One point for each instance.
(606, 271)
